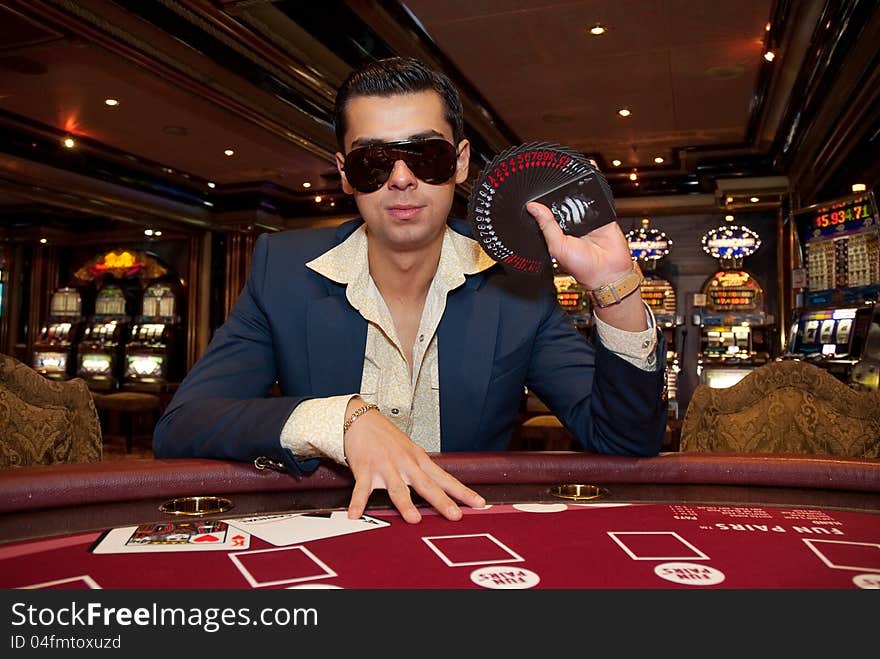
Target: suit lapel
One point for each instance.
(466, 344)
(337, 339)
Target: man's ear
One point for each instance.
(462, 164)
(340, 167)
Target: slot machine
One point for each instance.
(836, 323)
(574, 300)
(735, 328)
(55, 349)
(154, 351)
(101, 348)
(650, 246)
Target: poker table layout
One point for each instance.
(675, 521)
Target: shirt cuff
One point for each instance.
(638, 348)
(314, 428)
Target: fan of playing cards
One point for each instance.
(562, 179)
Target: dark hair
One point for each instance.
(397, 75)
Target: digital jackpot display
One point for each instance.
(842, 216)
(733, 291)
(841, 244)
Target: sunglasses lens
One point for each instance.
(368, 168)
(436, 162)
(432, 161)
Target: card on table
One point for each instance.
(297, 528)
(197, 535)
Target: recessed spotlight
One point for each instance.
(112, 102)
(616, 162)
(69, 142)
(729, 199)
(728, 218)
(211, 184)
(597, 29)
(767, 27)
(624, 112)
(318, 199)
(754, 200)
(769, 56)
(634, 176)
(208, 203)
(229, 152)
(307, 184)
(43, 241)
(658, 160)
(157, 233)
(148, 232)
(859, 187)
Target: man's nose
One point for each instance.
(402, 176)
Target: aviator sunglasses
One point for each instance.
(368, 167)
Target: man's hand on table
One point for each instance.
(382, 457)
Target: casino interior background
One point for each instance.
(144, 145)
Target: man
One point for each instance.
(395, 335)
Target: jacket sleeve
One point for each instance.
(610, 405)
(222, 408)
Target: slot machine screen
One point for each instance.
(844, 326)
(144, 366)
(96, 364)
(50, 362)
(721, 378)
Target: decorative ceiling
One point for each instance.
(196, 78)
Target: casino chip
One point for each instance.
(562, 179)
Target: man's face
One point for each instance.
(405, 213)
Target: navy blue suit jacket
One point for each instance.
(499, 333)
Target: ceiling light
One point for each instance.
(112, 102)
(229, 152)
(624, 112)
(729, 199)
(43, 241)
(858, 187)
(307, 184)
(157, 233)
(767, 27)
(615, 162)
(769, 56)
(318, 199)
(211, 184)
(597, 29)
(68, 142)
(754, 200)
(658, 160)
(634, 176)
(729, 218)
(148, 232)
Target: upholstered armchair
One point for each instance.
(44, 421)
(784, 407)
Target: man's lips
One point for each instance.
(402, 212)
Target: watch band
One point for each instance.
(610, 294)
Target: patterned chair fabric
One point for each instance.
(784, 407)
(44, 421)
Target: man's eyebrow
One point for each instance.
(424, 135)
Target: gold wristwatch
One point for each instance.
(610, 294)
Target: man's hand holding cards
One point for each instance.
(563, 180)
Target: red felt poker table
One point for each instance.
(675, 521)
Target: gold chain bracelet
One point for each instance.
(358, 412)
